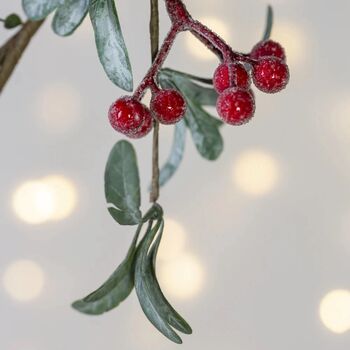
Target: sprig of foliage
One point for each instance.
(122, 182)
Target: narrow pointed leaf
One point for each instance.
(144, 287)
(176, 154)
(122, 184)
(269, 23)
(165, 309)
(110, 43)
(116, 289)
(204, 130)
(39, 9)
(69, 16)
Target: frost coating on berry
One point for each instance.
(127, 115)
(146, 127)
(270, 75)
(168, 106)
(229, 75)
(236, 106)
(268, 48)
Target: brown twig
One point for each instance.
(154, 33)
(12, 50)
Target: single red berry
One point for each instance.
(146, 127)
(229, 75)
(270, 74)
(127, 115)
(236, 106)
(168, 106)
(268, 48)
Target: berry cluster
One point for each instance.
(232, 81)
(265, 65)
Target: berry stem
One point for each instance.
(157, 60)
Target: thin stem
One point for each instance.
(12, 50)
(154, 32)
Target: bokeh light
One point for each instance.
(255, 172)
(64, 194)
(58, 106)
(199, 50)
(50, 198)
(335, 311)
(173, 240)
(33, 202)
(183, 277)
(23, 280)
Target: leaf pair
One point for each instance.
(138, 269)
(109, 38)
(154, 304)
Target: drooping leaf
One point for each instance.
(110, 43)
(176, 154)
(269, 23)
(115, 290)
(122, 184)
(69, 15)
(145, 286)
(39, 9)
(165, 309)
(204, 127)
(205, 131)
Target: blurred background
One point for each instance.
(257, 245)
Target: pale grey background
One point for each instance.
(268, 260)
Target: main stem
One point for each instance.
(154, 34)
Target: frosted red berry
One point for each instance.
(236, 106)
(229, 75)
(168, 106)
(270, 74)
(127, 115)
(268, 48)
(146, 127)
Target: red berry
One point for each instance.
(146, 127)
(168, 106)
(229, 75)
(270, 74)
(268, 48)
(236, 106)
(127, 115)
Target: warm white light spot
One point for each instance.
(24, 280)
(50, 198)
(294, 39)
(255, 172)
(199, 50)
(183, 277)
(64, 195)
(335, 311)
(33, 202)
(59, 106)
(173, 240)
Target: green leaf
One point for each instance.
(115, 290)
(39, 9)
(269, 23)
(165, 309)
(145, 286)
(122, 184)
(205, 131)
(12, 21)
(176, 154)
(69, 16)
(110, 43)
(201, 94)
